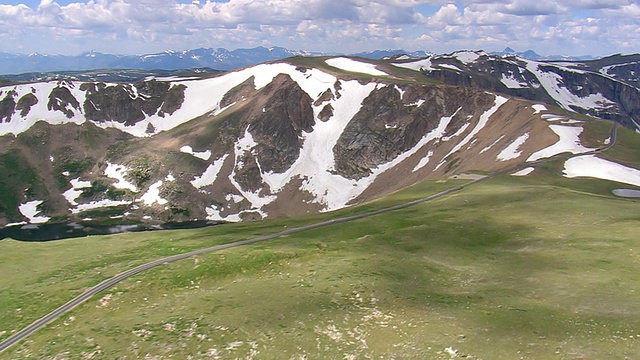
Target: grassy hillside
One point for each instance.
(517, 267)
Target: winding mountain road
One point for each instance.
(55, 314)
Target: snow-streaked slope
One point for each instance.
(524, 172)
(316, 159)
(424, 64)
(210, 174)
(355, 66)
(512, 151)
(204, 155)
(76, 190)
(595, 167)
(553, 84)
(31, 212)
(201, 97)
(569, 141)
(40, 112)
(482, 122)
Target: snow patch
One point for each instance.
(97, 205)
(31, 212)
(424, 161)
(492, 145)
(153, 195)
(467, 57)
(513, 83)
(354, 66)
(118, 172)
(569, 142)
(210, 174)
(424, 64)
(524, 172)
(511, 151)
(538, 108)
(450, 67)
(204, 155)
(76, 190)
(595, 167)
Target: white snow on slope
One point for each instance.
(467, 57)
(482, 122)
(40, 111)
(424, 64)
(423, 162)
(204, 155)
(492, 145)
(569, 142)
(513, 83)
(98, 205)
(76, 190)
(538, 108)
(450, 67)
(242, 146)
(512, 150)
(524, 172)
(153, 195)
(118, 172)
(553, 85)
(31, 212)
(595, 167)
(202, 96)
(210, 175)
(214, 214)
(351, 65)
(316, 159)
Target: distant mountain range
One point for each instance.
(219, 59)
(532, 55)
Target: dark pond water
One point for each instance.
(628, 193)
(48, 232)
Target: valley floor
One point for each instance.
(516, 267)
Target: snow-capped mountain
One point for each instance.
(219, 59)
(276, 139)
(532, 55)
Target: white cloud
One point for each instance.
(597, 26)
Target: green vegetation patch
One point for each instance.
(17, 176)
(513, 267)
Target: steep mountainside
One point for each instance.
(283, 138)
(605, 88)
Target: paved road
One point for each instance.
(55, 314)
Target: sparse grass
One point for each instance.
(511, 268)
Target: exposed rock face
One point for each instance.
(25, 103)
(61, 99)
(7, 106)
(390, 123)
(131, 103)
(278, 128)
(605, 88)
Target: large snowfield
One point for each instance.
(595, 167)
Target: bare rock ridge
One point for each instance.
(605, 88)
(285, 138)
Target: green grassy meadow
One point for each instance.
(535, 267)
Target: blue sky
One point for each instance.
(597, 27)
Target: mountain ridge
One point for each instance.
(276, 139)
(218, 59)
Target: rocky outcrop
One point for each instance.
(389, 123)
(278, 127)
(131, 103)
(588, 87)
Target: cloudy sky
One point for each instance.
(571, 27)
